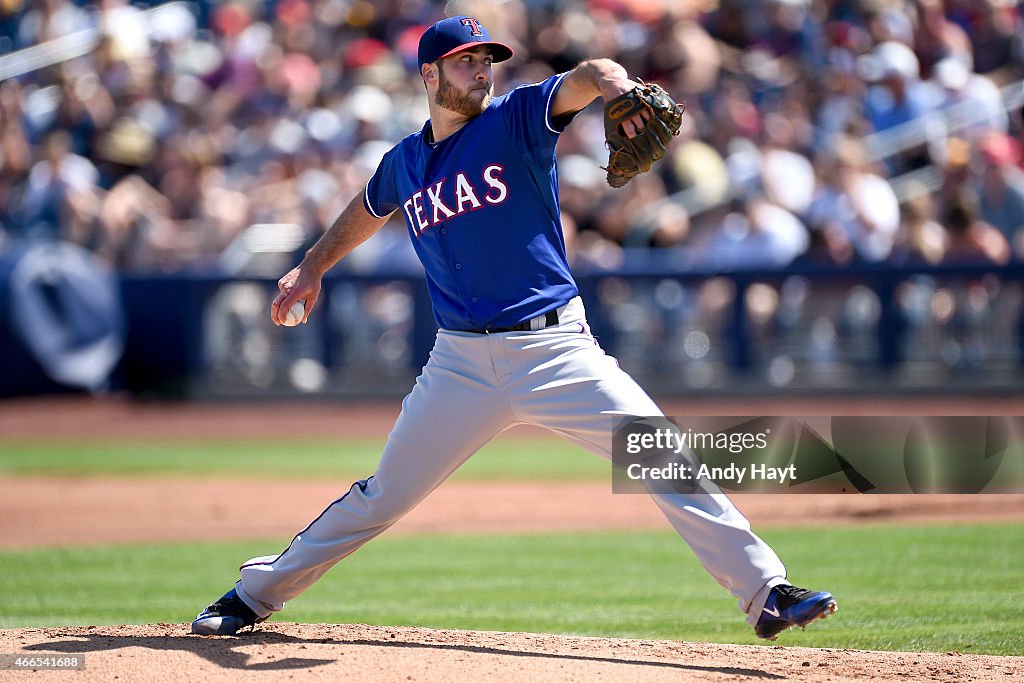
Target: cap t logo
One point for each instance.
(474, 24)
(455, 34)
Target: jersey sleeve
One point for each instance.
(380, 197)
(527, 114)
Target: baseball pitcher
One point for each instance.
(478, 189)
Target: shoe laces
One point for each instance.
(219, 605)
(790, 594)
(233, 605)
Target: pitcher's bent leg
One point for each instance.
(447, 417)
(584, 411)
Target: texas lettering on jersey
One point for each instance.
(481, 207)
(445, 200)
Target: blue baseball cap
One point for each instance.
(455, 34)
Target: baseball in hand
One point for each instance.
(295, 314)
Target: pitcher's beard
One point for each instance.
(453, 99)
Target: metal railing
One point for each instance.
(883, 145)
(73, 45)
(952, 119)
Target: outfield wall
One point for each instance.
(799, 331)
(807, 330)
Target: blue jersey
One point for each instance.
(482, 211)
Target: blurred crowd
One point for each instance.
(826, 132)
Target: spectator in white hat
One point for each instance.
(978, 101)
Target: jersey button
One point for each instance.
(444, 231)
(474, 299)
(458, 266)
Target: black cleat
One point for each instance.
(225, 617)
(791, 606)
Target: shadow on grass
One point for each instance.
(221, 651)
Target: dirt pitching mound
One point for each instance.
(281, 651)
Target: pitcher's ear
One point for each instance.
(429, 72)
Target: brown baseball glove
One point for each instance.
(629, 157)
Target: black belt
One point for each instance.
(550, 320)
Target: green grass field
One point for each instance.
(899, 588)
(507, 457)
(927, 588)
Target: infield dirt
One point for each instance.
(285, 651)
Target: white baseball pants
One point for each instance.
(473, 387)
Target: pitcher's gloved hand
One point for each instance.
(629, 157)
